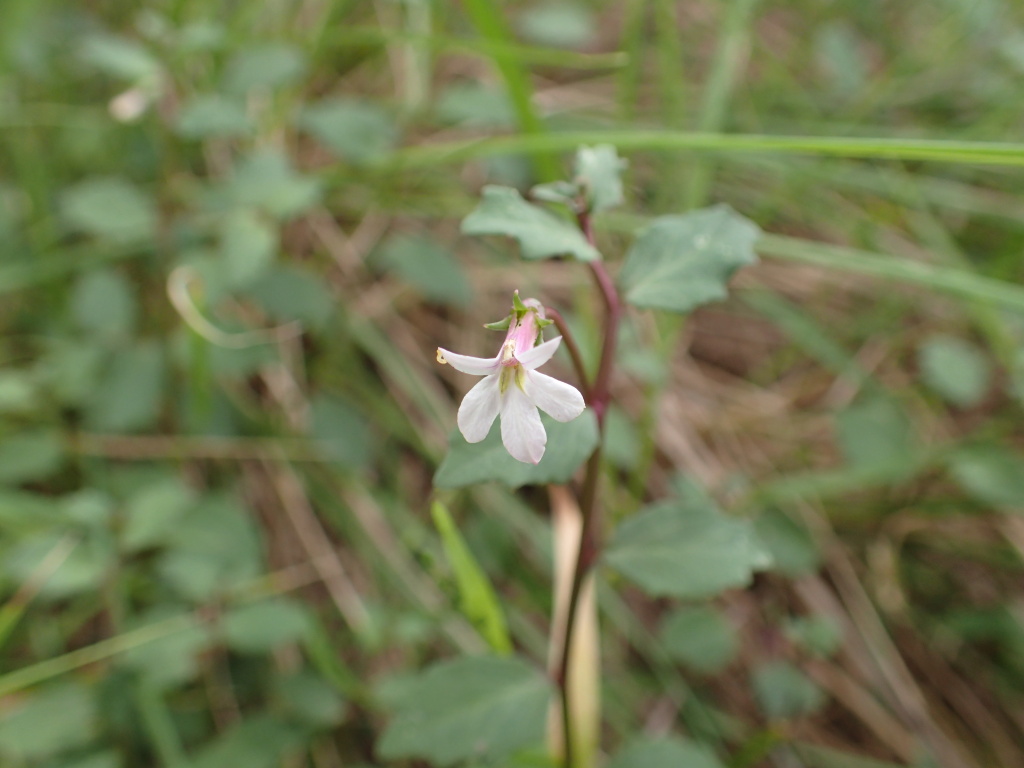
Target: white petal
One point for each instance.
(535, 357)
(561, 401)
(521, 430)
(479, 408)
(478, 366)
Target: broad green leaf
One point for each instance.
(503, 211)
(18, 392)
(700, 637)
(354, 129)
(664, 752)
(343, 430)
(171, 660)
(475, 104)
(29, 456)
(71, 369)
(479, 602)
(120, 57)
(992, 474)
(784, 691)
(47, 722)
(89, 507)
(152, 513)
(261, 741)
(599, 171)
(311, 699)
(292, 293)
(559, 24)
(475, 707)
(955, 369)
(569, 445)
(212, 116)
(109, 207)
(680, 262)
(622, 446)
(685, 550)
(248, 245)
(104, 303)
(271, 65)
(214, 548)
(877, 431)
(818, 635)
(431, 269)
(266, 180)
(131, 391)
(261, 627)
(791, 546)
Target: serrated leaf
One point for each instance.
(503, 211)
(690, 551)
(569, 445)
(599, 171)
(476, 707)
(479, 602)
(700, 637)
(680, 262)
(784, 691)
(664, 752)
(955, 369)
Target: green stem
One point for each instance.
(589, 547)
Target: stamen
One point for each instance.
(440, 357)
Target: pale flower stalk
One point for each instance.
(513, 388)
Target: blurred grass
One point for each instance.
(878, 144)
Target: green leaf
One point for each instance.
(475, 104)
(476, 707)
(700, 637)
(257, 742)
(959, 372)
(818, 635)
(212, 116)
(503, 211)
(48, 722)
(479, 602)
(173, 659)
(791, 546)
(664, 752)
(248, 245)
(569, 445)
(784, 691)
(264, 66)
(354, 129)
(310, 699)
(120, 57)
(18, 392)
(992, 474)
(343, 429)
(83, 570)
(559, 24)
(292, 293)
(680, 262)
(599, 171)
(266, 180)
(109, 208)
(131, 391)
(877, 431)
(261, 627)
(30, 456)
(152, 513)
(104, 304)
(685, 550)
(425, 265)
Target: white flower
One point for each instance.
(513, 388)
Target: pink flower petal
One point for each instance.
(535, 357)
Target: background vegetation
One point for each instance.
(230, 247)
